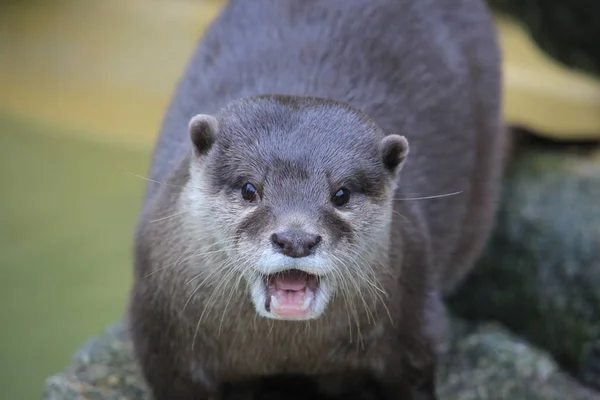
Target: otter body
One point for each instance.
(284, 229)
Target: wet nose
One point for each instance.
(295, 243)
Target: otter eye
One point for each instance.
(341, 197)
(249, 193)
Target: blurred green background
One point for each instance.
(66, 213)
(83, 88)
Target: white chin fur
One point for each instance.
(258, 293)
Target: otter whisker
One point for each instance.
(358, 288)
(404, 218)
(167, 217)
(159, 270)
(162, 183)
(216, 272)
(378, 291)
(225, 243)
(344, 279)
(307, 328)
(374, 290)
(231, 292)
(368, 265)
(223, 282)
(201, 284)
(360, 268)
(271, 326)
(429, 197)
(211, 274)
(345, 300)
(184, 252)
(165, 267)
(180, 260)
(360, 294)
(370, 280)
(206, 253)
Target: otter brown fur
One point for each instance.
(283, 230)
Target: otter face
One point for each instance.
(298, 194)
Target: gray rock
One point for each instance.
(102, 369)
(485, 364)
(489, 363)
(540, 275)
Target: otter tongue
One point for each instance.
(290, 296)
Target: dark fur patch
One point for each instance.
(370, 183)
(222, 170)
(256, 223)
(337, 226)
(289, 168)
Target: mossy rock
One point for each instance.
(540, 274)
(485, 364)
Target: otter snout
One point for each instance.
(295, 243)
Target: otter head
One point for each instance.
(297, 192)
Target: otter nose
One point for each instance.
(295, 243)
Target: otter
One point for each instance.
(326, 172)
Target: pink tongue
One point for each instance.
(291, 298)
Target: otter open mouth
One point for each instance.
(290, 294)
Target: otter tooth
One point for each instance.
(274, 302)
(306, 303)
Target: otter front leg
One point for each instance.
(176, 388)
(168, 376)
(409, 386)
(166, 369)
(409, 374)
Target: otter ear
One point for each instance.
(394, 149)
(203, 130)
